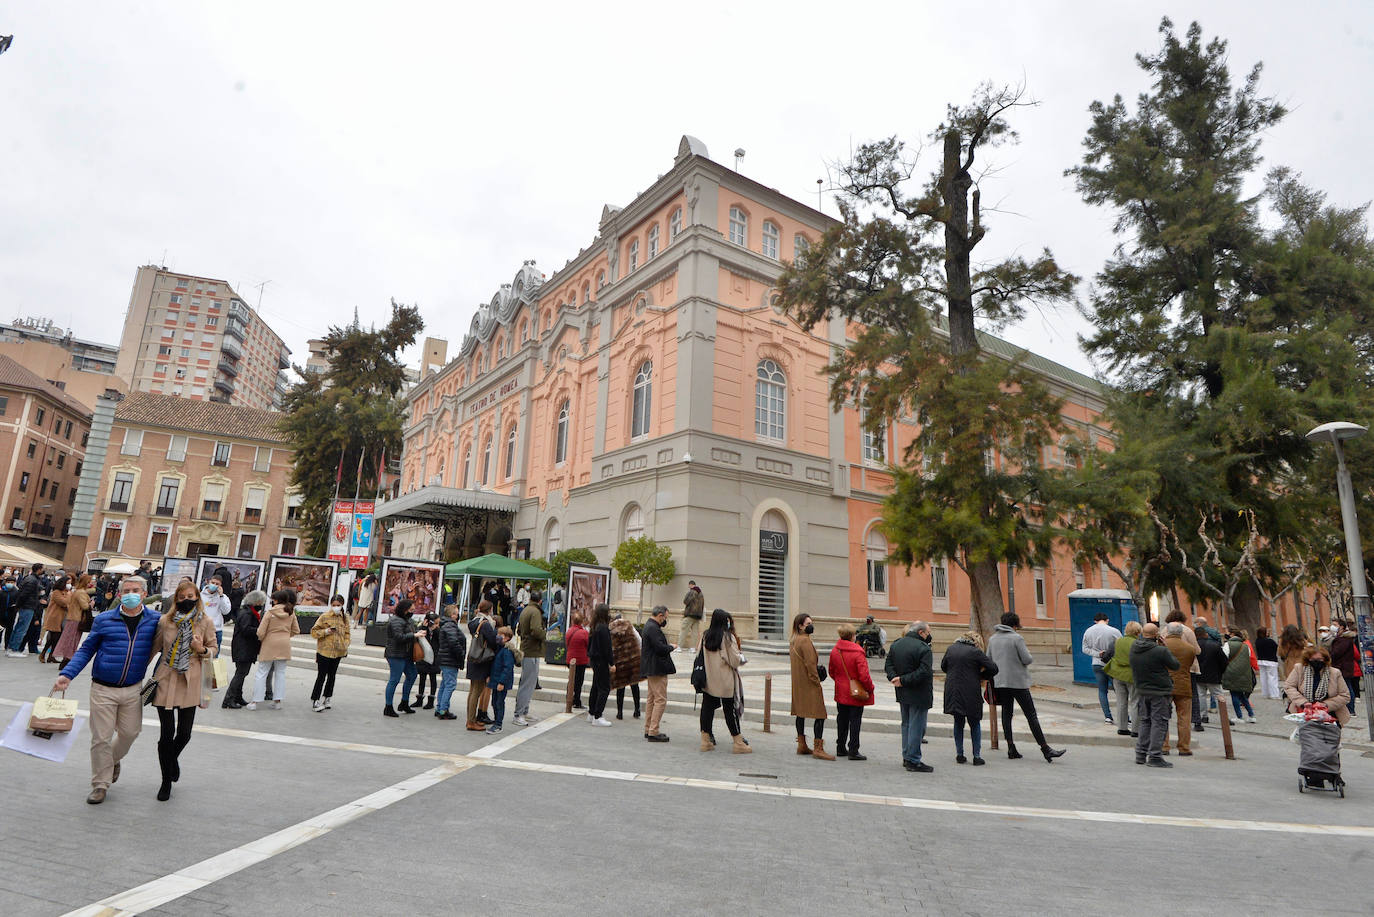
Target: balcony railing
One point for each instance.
(165, 510)
(119, 506)
(235, 328)
(224, 385)
(252, 517)
(45, 531)
(210, 514)
(228, 366)
(231, 347)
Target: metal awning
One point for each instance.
(434, 505)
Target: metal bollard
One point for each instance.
(768, 702)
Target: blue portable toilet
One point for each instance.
(1084, 605)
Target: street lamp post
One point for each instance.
(1333, 433)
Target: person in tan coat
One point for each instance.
(1315, 680)
(78, 604)
(53, 617)
(185, 636)
(1176, 638)
(720, 652)
(332, 634)
(808, 699)
(276, 629)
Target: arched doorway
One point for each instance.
(772, 597)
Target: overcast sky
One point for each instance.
(349, 153)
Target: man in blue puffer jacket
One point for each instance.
(121, 643)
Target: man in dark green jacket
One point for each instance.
(909, 669)
(530, 628)
(1151, 663)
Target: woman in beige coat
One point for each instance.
(78, 603)
(808, 699)
(1315, 680)
(185, 636)
(53, 617)
(720, 652)
(276, 629)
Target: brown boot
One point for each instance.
(820, 752)
(706, 743)
(802, 748)
(741, 747)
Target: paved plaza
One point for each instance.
(344, 812)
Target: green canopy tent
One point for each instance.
(490, 566)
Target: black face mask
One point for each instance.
(809, 629)
(1317, 664)
(185, 605)
(925, 638)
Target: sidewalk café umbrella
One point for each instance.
(491, 566)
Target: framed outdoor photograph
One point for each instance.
(174, 569)
(587, 585)
(313, 579)
(243, 574)
(420, 581)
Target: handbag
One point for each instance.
(480, 651)
(856, 690)
(52, 714)
(699, 672)
(417, 649)
(821, 673)
(149, 689)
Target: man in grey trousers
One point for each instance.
(530, 629)
(1151, 663)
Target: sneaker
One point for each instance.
(328, 703)
(520, 721)
(13, 655)
(921, 768)
(1110, 722)
(590, 718)
(1123, 732)
(317, 706)
(276, 705)
(1251, 721)
(601, 721)
(251, 705)
(493, 729)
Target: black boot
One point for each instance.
(165, 760)
(429, 702)
(405, 707)
(1051, 753)
(389, 710)
(1012, 752)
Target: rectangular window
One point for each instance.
(33, 449)
(877, 578)
(67, 432)
(61, 459)
(248, 544)
(38, 418)
(4, 405)
(211, 321)
(52, 454)
(211, 501)
(262, 459)
(167, 496)
(1078, 579)
(176, 449)
(43, 489)
(121, 492)
(164, 351)
(221, 455)
(288, 544)
(175, 298)
(113, 535)
(23, 482)
(157, 539)
(1041, 610)
(133, 442)
(77, 470)
(939, 583)
(293, 509)
(253, 504)
(71, 497)
(16, 520)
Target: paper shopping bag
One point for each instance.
(52, 714)
(49, 746)
(220, 671)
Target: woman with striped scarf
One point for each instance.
(185, 637)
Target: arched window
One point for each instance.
(800, 246)
(510, 454)
(653, 241)
(770, 240)
(875, 549)
(524, 331)
(553, 539)
(634, 254)
(631, 526)
(643, 397)
(739, 227)
(874, 441)
(486, 460)
(467, 467)
(586, 293)
(600, 279)
(770, 401)
(548, 320)
(675, 225)
(560, 437)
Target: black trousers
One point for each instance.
(1022, 696)
(601, 689)
(176, 723)
(325, 670)
(709, 703)
(848, 719)
(433, 678)
(818, 728)
(620, 698)
(579, 672)
(235, 692)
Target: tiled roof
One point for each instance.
(213, 417)
(16, 375)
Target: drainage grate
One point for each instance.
(763, 776)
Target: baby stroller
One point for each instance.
(1319, 757)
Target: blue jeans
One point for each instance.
(448, 680)
(498, 706)
(1237, 699)
(913, 730)
(20, 632)
(219, 643)
(975, 731)
(398, 668)
(1104, 684)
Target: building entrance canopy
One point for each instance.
(446, 506)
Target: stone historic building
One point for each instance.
(652, 386)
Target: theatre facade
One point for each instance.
(651, 386)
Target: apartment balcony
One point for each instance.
(224, 385)
(238, 310)
(165, 511)
(118, 506)
(228, 366)
(231, 347)
(283, 360)
(235, 328)
(252, 517)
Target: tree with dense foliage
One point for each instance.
(1229, 339)
(900, 268)
(558, 567)
(343, 420)
(646, 562)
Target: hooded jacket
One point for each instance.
(1151, 663)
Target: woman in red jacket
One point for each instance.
(577, 656)
(849, 670)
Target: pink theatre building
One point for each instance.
(652, 387)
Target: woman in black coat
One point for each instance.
(481, 653)
(966, 666)
(601, 654)
(400, 642)
(428, 671)
(243, 650)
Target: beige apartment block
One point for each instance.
(195, 338)
(43, 433)
(186, 478)
(83, 369)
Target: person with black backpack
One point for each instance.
(450, 653)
